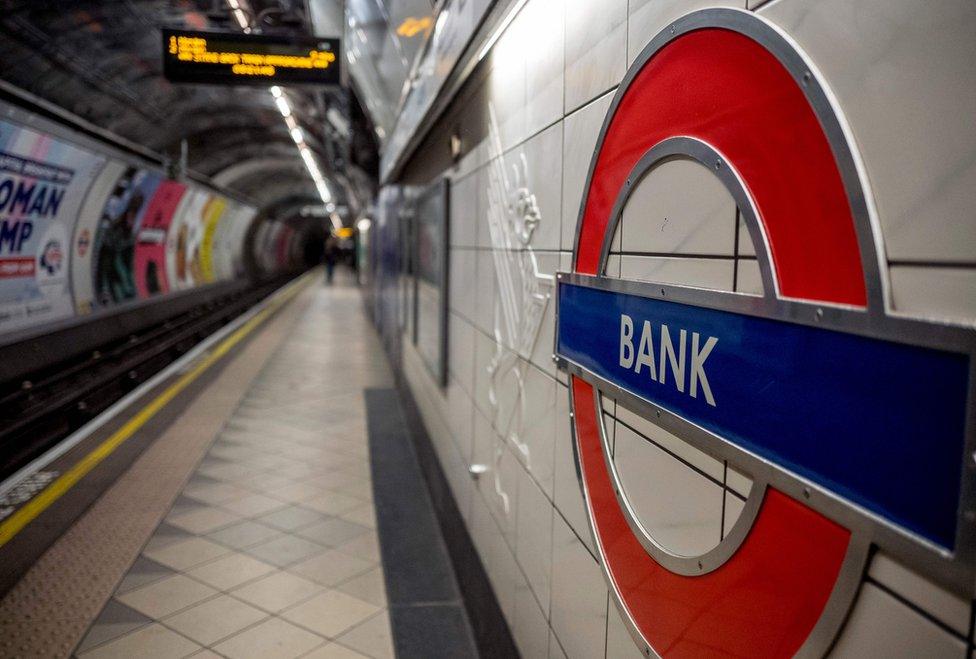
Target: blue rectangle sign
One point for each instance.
(878, 422)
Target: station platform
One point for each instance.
(253, 512)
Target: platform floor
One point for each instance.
(247, 528)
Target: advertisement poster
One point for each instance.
(223, 237)
(183, 242)
(239, 236)
(150, 254)
(229, 241)
(115, 239)
(212, 213)
(86, 226)
(43, 182)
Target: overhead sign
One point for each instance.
(853, 424)
(234, 58)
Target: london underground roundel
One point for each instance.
(854, 425)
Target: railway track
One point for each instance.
(43, 407)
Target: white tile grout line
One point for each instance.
(178, 366)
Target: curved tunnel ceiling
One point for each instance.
(101, 60)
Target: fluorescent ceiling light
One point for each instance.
(238, 8)
(283, 106)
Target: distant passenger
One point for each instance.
(331, 257)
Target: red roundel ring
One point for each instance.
(732, 81)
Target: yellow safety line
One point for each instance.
(27, 513)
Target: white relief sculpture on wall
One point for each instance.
(521, 297)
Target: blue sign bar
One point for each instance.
(879, 423)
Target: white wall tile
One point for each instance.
(946, 293)
(481, 195)
(539, 426)
(881, 626)
(462, 285)
(580, 132)
(531, 628)
(507, 580)
(455, 465)
(506, 86)
(733, 510)
(477, 154)
(506, 379)
(738, 482)
(680, 509)
(902, 73)
(459, 411)
(464, 212)
(555, 650)
(499, 485)
(946, 606)
(679, 207)
(534, 537)
(543, 22)
(566, 490)
(544, 158)
(703, 273)
(620, 645)
(596, 48)
(548, 263)
(579, 596)
(748, 278)
(746, 246)
(495, 555)
(460, 348)
(648, 17)
(487, 289)
(484, 351)
(711, 466)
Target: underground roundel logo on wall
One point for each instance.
(847, 428)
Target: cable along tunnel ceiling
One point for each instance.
(101, 60)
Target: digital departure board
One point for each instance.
(234, 58)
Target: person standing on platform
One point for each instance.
(331, 257)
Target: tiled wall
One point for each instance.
(903, 73)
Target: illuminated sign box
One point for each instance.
(233, 58)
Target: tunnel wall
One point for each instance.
(900, 74)
(84, 227)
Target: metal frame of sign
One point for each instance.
(439, 191)
(953, 568)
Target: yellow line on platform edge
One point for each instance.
(27, 513)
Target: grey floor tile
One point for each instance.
(369, 587)
(332, 531)
(244, 534)
(153, 641)
(143, 571)
(200, 479)
(166, 534)
(285, 550)
(372, 638)
(115, 620)
(185, 504)
(291, 518)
